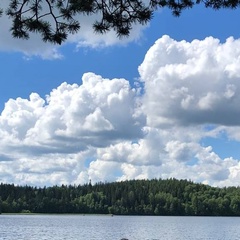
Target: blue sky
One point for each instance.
(162, 103)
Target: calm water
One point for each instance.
(76, 227)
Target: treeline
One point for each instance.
(135, 197)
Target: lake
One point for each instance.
(101, 227)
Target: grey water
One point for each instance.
(101, 227)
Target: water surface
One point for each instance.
(101, 227)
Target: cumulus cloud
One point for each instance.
(97, 112)
(192, 82)
(71, 120)
(104, 130)
(193, 88)
(191, 92)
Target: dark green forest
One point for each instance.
(134, 197)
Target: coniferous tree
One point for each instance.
(55, 19)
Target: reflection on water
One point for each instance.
(90, 227)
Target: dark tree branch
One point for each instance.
(55, 19)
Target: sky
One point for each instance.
(162, 103)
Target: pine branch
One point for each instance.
(55, 19)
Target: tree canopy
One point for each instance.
(134, 197)
(55, 19)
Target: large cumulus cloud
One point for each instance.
(104, 130)
(191, 93)
(194, 88)
(47, 135)
(192, 82)
(97, 112)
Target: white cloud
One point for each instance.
(192, 82)
(32, 47)
(86, 37)
(95, 113)
(72, 119)
(193, 88)
(98, 130)
(181, 151)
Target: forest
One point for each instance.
(134, 197)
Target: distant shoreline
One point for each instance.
(155, 197)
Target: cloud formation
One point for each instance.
(72, 119)
(202, 78)
(95, 113)
(104, 130)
